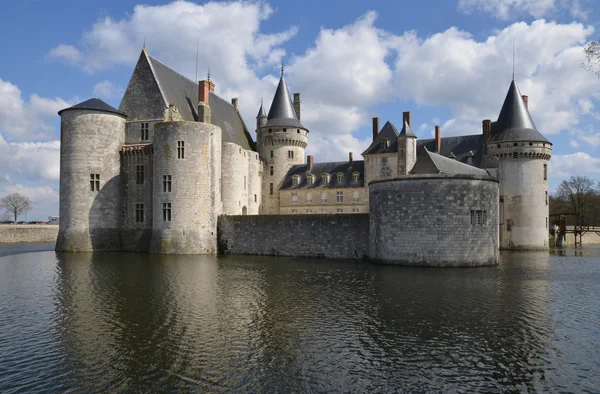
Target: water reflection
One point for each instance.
(131, 322)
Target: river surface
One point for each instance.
(119, 322)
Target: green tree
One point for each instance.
(16, 204)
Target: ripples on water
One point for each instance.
(140, 323)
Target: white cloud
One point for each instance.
(579, 163)
(508, 9)
(36, 193)
(107, 90)
(22, 120)
(471, 77)
(33, 161)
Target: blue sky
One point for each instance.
(447, 61)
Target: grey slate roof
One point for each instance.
(261, 111)
(458, 146)
(432, 163)
(183, 93)
(331, 168)
(514, 122)
(388, 133)
(282, 111)
(407, 131)
(94, 104)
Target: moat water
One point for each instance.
(117, 322)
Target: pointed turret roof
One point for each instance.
(407, 131)
(514, 122)
(93, 104)
(261, 111)
(282, 111)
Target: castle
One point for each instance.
(156, 174)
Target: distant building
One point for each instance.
(53, 220)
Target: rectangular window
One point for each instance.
(546, 198)
(355, 210)
(255, 198)
(271, 189)
(340, 178)
(339, 196)
(355, 177)
(290, 154)
(139, 213)
(323, 210)
(323, 198)
(339, 210)
(545, 172)
(309, 198)
(271, 153)
(166, 211)
(308, 211)
(294, 198)
(95, 182)
(355, 197)
(271, 170)
(139, 175)
(166, 183)
(294, 211)
(478, 218)
(180, 149)
(144, 131)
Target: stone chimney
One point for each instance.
(486, 127)
(406, 118)
(438, 139)
(526, 101)
(204, 88)
(297, 105)
(234, 102)
(350, 158)
(310, 160)
(375, 127)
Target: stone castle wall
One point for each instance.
(428, 221)
(30, 233)
(240, 181)
(90, 220)
(329, 236)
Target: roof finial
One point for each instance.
(282, 67)
(513, 75)
(144, 47)
(261, 101)
(208, 73)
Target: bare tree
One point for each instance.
(592, 53)
(578, 191)
(5, 216)
(16, 204)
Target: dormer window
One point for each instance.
(384, 143)
(296, 180)
(470, 160)
(355, 176)
(310, 179)
(340, 177)
(325, 177)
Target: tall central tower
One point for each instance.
(523, 154)
(281, 140)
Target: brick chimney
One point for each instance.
(310, 160)
(438, 139)
(526, 100)
(297, 104)
(234, 102)
(204, 88)
(486, 127)
(375, 127)
(406, 118)
(350, 158)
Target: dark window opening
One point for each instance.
(139, 175)
(166, 211)
(271, 189)
(144, 131)
(166, 183)
(95, 182)
(139, 213)
(180, 149)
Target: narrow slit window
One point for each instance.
(144, 131)
(181, 149)
(271, 189)
(139, 175)
(545, 172)
(95, 182)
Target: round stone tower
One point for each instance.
(281, 142)
(187, 194)
(523, 154)
(92, 134)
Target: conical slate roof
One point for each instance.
(261, 111)
(93, 104)
(282, 111)
(407, 131)
(514, 122)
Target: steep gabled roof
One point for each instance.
(407, 131)
(182, 92)
(514, 122)
(432, 163)
(331, 168)
(388, 134)
(93, 104)
(282, 111)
